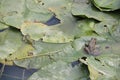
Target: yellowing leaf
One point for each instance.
(24, 51)
(53, 34)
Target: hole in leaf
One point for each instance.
(53, 21)
(43, 3)
(73, 64)
(84, 58)
(105, 25)
(41, 39)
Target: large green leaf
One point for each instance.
(84, 8)
(44, 54)
(60, 71)
(32, 10)
(60, 33)
(107, 22)
(107, 5)
(90, 27)
(10, 41)
(37, 12)
(11, 12)
(59, 7)
(15, 12)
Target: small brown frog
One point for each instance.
(91, 47)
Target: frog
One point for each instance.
(91, 48)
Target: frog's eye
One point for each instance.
(86, 45)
